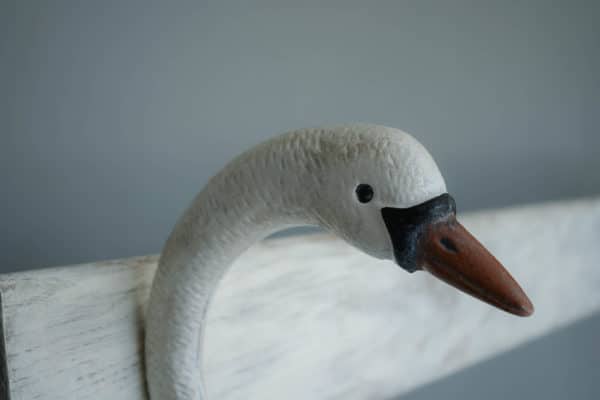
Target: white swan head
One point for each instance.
(381, 191)
(375, 187)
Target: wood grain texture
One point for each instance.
(302, 317)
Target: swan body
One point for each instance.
(309, 176)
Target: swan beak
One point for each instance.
(428, 237)
(449, 252)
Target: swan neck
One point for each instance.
(225, 218)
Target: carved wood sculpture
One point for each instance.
(375, 187)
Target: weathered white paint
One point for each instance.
(303, 317)
(307, 176)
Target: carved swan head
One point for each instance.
(360, 173)
(375, 187)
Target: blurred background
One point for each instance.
(114, 114)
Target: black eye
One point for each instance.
(364, 193)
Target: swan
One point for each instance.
(376, 187)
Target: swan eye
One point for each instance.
(364, 193)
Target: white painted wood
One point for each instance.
(307, 176)
(303, 317)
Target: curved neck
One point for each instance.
(241, 205)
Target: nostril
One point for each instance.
(448, 244)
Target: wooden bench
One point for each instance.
(303, 317)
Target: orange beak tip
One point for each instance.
(453, 255)
(526, 309)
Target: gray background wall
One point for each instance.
(113, 114)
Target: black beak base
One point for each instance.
(407, 225)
